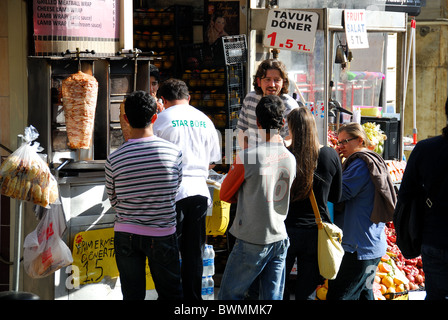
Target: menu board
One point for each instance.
(60, 23)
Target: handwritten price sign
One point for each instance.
(94, 257)
(355, 29)
(291, 30)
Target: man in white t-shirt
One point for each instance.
(197, 137)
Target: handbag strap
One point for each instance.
(433, 190)
(316, 210)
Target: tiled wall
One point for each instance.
(4, 139)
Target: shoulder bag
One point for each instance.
(329, 247)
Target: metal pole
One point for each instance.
(17, 237)
(17, 245)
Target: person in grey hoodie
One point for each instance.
(259, 181)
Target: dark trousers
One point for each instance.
(354, 280)
(131, 251)
(191, 213)
(435, 265)
(303, 246)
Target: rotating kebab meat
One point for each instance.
(79, 94)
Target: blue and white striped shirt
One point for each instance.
(248, 119)
(142, 180)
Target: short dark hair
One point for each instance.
(269, 112)
(173, 89)
(154, 72)
(139, 108)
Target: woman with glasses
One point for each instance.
(318, 167)
(369, 200)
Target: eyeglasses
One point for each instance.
(344, 142)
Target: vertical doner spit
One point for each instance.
(79, 93)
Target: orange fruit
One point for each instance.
(387, 281)
(386, 257)
(384, 267)
(321, 293)
(326, 283)
(391, 290)
(397, 281)
(400, 288)
(383, 289)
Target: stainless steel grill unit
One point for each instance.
(80, 173)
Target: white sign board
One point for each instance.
(291, 30)
(355, 29)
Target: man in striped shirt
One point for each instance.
(142, 180)
(271, 78)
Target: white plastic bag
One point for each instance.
(44, 250)
(25, 176)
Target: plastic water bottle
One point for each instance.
(205, 261)
(211, 261)
(204, 290)
(210, 288)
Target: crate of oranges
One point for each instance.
(390, 283)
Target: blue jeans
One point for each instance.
(248, 261)
(131, 251)
(435, 266)
(354, 280)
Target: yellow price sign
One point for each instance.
(94, 257)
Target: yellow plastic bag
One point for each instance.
(218, 215)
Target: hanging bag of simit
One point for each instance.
(24, 175)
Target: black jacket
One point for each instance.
(427, 166)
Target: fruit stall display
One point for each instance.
(395, 275)
(411, 268)
(373, 132)
(375, 135)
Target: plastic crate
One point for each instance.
(235, 49)
(397, 295)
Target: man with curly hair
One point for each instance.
(271, 78)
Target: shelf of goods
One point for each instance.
(215, 76)
(164, 32)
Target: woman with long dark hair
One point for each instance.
(318, 167)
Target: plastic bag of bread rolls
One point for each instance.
(24, 175)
